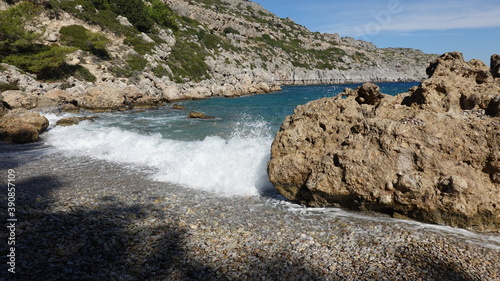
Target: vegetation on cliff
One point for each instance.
(173, 38)
(19, 46)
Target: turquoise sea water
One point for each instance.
(226, 155)
(244, 115)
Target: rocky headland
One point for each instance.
(432, 154)
(116, 55)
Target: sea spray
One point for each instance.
(233, 166)
(227, 155)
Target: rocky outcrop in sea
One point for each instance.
(432, 154)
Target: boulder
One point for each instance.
(60, 96)
(22, 126)
(455, 85)
(138, 99)
(199, 115)
(30, 100)
(367, 94)
(74, 120)
(19, 99)
(178, 107)
(102, 98)
(432, 154)
(123, 21)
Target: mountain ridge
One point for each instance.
(158, 51)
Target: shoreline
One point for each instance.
(85, 218)
(312, 82)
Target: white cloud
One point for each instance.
(445, 18)
(408, 16)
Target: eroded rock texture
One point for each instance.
(432, 154)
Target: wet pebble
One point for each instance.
(106, 222)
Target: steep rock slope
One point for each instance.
(281, 50)
(153, 51)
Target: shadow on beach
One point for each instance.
(111, 242)
(109, 239)
(103, 237)
(14, 155)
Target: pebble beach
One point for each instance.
(86, 219)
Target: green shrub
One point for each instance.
(188, 61)
(103, 17)
(210, 41)
(213, 41)
(86, 40)
(230, 30)
(189, 21)
(9, 86)
(65, 71)
(83, 74)
(267, 38)
(135, 11)
(65, 85)
(160, 71)
(101, 4)
(163, 15)
(133, 64)
(136, 62)
(140, 46)
(46, 58)
(121, 71)
(18, 46)
(14, 37)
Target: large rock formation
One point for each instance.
(22, 126)
(432, 154)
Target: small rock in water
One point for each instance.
(74, 120)
(178, 107)
(199, 115)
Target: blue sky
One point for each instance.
(468, 26)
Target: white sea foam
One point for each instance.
(485, 240)
(233, 166)
(54, 117)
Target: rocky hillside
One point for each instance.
(149, 51)
(278, 49)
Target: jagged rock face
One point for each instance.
(22, 126)
(356, 60)
(455, 85)
(495, 66)
(259, 53)
(19, 99)
(432, 154)
(4, 108)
